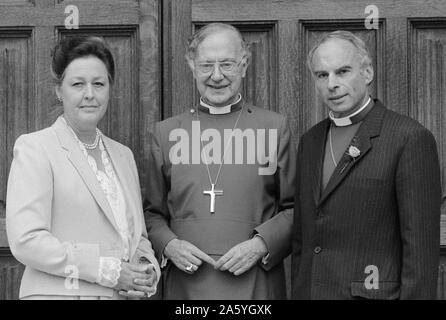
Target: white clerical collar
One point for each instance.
(220, 110)
(355, 117)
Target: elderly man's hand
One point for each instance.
(186, 256)
(243, 256)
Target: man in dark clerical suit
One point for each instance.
(367, 207)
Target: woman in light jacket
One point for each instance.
(74, 213)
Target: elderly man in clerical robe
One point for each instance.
(220, 197)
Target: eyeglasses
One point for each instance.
(227, 67)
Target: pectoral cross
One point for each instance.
(213, 193)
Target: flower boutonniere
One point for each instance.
(352, 152)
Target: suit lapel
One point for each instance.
(124, 174)
(77, 158)
(369, 129)
(318, 152)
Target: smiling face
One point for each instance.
(342, 78)
(85, 92)
(219, 87)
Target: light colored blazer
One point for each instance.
(58, 220)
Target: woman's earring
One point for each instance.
(59, 99)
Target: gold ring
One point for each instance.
(190, 268)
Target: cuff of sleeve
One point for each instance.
(109, 271)
(161, 239)
(265, 258)
(163, 261)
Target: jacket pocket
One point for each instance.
(387, 290)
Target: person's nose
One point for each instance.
(216, 74)
(332, 82)
(89, 94)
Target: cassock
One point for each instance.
(251, 203)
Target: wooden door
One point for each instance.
(29, 30)
(407, 44)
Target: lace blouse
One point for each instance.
(110, 267)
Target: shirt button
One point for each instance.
(317, 250)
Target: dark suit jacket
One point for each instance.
(380, 209)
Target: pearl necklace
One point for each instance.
(86, 145)
(95, 142)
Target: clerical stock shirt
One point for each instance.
(251, 203)
(341, 139)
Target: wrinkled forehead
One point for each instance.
(335, 53)
(220, 45)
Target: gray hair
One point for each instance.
(344, 35)
(209, 29)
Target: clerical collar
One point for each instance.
(355, 117)
(220, 110)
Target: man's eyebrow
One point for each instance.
(223, 60)
(344, 67)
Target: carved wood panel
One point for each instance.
(427, 52)
(10, 277)
(17, 2)
(15, 88)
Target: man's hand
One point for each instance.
(186, 256)
(243, 256)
